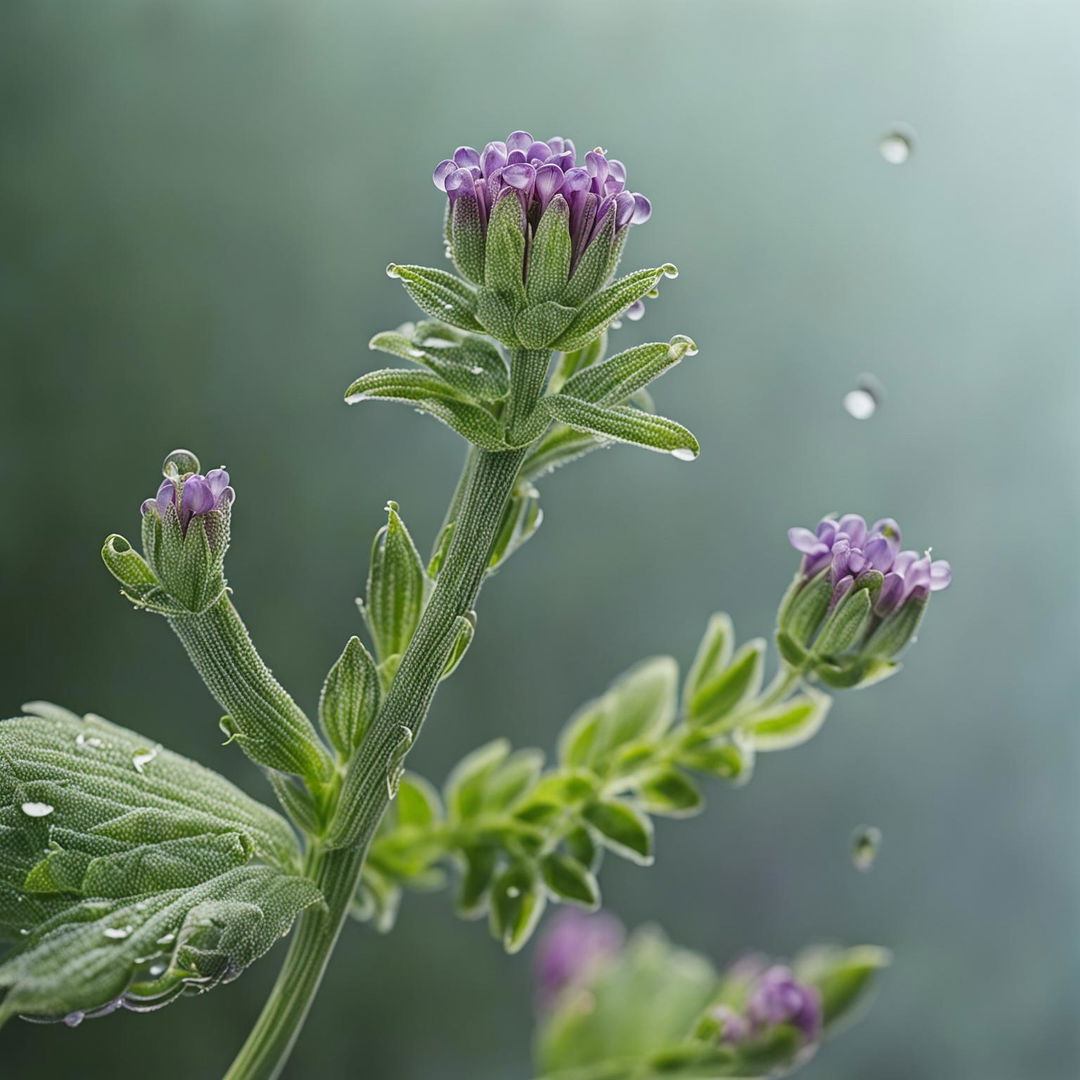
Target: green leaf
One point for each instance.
(466, 237)
(623, 424)
(395, 587)
(713, 655)
(517, 902)
(466, 630)
(515, 776)
(472, 366)
(417, 803)
(670, 793)
(727, 757)
(538, 326)
(430, 394)
(466, 785)
(844, 977)
(443, 296)
(559, 446)
(577, 739)
(520, 521)
(479, 864)
(639, 706)
(350, 698)
(566, 879)
(790, 724)
(623, 829)
(597, 313)
(581, 847)
(739, 681)
(805, 606)
(127, 870)
(378, 900)
(623, 375)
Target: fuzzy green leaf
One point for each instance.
(790, 724)
(566, 879)
(350, 698)
(623, 375)
(623, 829)
(472, 366)
(517, 902)
(442, 295)
(395, 587)
(623, 424)
(722, 694)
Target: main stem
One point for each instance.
(336, 865)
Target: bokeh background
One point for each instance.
(198, 201)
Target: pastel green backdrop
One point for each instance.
(198, 201)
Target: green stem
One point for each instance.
(365, 790)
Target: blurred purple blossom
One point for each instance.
(572, 944)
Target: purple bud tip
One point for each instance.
(779, 998)
(848, 547)
(571, 947)
(541, 169)
(198, 495)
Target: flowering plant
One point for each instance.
(130, 876)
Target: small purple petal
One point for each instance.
(442, 170)
(549, 179)
(940, 575)
(879, 553)
(803, 540)
(887, 527)
(856, 562)
(597, 165)
(521, 177)
(218, 479)
(198, 498)
(642, 210)
(166, 496)
(841, 555)
(840, 590)
(147, 506)
(624, 209)
(466, 157)
(890, 594)
(494, 157)
(918, 574)
(904, 561)
(733, 1027)
(572, 944)
(854, 526)
(826, 530)
(538, 151)
(617, 170)
(519, 140)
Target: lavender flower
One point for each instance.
(571, 947)
(779, 998)
(192, 495)
(851, 551)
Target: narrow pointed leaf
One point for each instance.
(623, 424)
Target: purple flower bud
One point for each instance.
(779, 998)
(540, 169)
(166, 496)
(198, 495)
(571, 947)
(734, 1028)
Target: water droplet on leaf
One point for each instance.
(117, 933)
(74, 1019)
(684, 453)
(865, 843)
(37, 809)
(896, 146)
(88, 742)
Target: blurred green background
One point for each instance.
(198, 201)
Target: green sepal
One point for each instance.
(537, 326)
(790, 652)
(623, 829)
(846, 625)
(465, 237)
(567, 880)
(431, 394)
(594, 266)
(517, 902)
(855, 672)
(621, 376)
(897, 630)
(497, 316)
(805, 605)
(724, 693)
(504, 266)
(549, 260)
(395, 587)
(350, 698)
(623, 424)
(597, 313)
(440, 294)
(126, 564)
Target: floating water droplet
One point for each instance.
(865, 843)
(117, 933)
(37, 809)
(684, 453)
(862, 402)
(141, 758)
(513, 892)
(88, 742)
(897, 145)
(179, 463)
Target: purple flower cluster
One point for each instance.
(850, 550)
(571, 946)
(198, 495)
(775, 997)
(538, 172)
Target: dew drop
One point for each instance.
(862, 402)
(683, 453)
(74, 1019)
(896, 146)
(88, 742)
(865, 843)
(157, 970)
(513, 892)
(166, 939)
(37, 809)
(117, 933)
(178, 464)
(24, 932)
(141, 758)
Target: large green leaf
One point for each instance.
(128, 874)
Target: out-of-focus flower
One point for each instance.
(571, 947)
